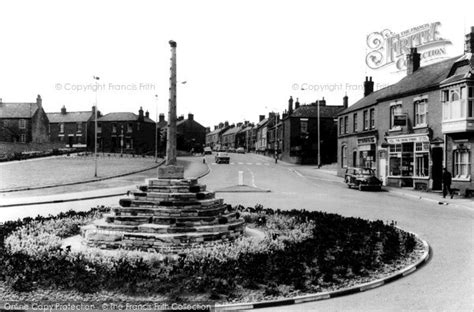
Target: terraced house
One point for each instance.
(410, 130)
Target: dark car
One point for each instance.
(362, 178)
(222, 158)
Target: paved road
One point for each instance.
(446, 283)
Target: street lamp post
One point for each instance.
(275, 139)
(121, 141)
(319, 138)
(95, 124)
(156, 130)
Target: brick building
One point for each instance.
(191, 135)
(297, 132)
(126, 132)
(23, 122)
(261, 131)
(73, 129)
(230, 136)
(214, 137)
(408, 131)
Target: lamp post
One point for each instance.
(156, 130)
(275, 139)
(319, 138)
(95, 124)
(121, 141)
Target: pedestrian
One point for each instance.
(447, 183)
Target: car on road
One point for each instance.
(207, 151)
(240, 150)
(222, 158)
(362, 178)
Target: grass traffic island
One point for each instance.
(301, 253)
(67, 170)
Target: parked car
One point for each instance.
(231, 150)
(207, 151)
(240, 150)
(362, 178)
(222, 158)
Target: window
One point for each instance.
(61, 128)
(346, 124)
(372, 118)
(22, 123)
(355, 122)
(79, 127)
(341, 126)
(129, 128)
(462, 163)
(395, 110)
(422, 159)
(304, 126)
(114, 128)
(366, 120)
(22, 138)
(344, 156)
(420, 112)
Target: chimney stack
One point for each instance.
(368, 86)
(226, 124)
(140, 114)
(39, 101)
(216, 127)
(469, 43)
(161, 117)
(297, 104)
(261, 117)
(290, 105)
(147, 114)
(345, 101)
(221, 125)
(180, 118)
(322, 102)
(63, 110)
(190, 117)
(413, 61)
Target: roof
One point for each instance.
(311, 111)
(261, 123)
(69, 117)
(232, 130)
(18, 110)
(126, 116)
(425, 77)
(462, 69)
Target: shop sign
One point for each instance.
(410, 139)
(400, 120)
(366, 141)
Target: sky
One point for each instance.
(238, 59)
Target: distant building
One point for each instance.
(214, 137)
(23, 122)
(74, 129)
(126, 132)
(298, 133)
(261, 129)
(230, 136)
(191, 135)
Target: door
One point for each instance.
(354, 159)
(437, 167)
(70, 141)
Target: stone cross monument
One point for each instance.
(171, 170)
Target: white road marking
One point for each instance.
(241, 163)
(214, 164)
(232, 163)
(258, 164)
(249, 164)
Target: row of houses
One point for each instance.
(408, 131)
(124, 132)
(291, 136)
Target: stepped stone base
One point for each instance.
(166, 215)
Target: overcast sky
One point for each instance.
(240, 59)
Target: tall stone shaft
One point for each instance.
(171, 140)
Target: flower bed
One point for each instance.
(302, 252)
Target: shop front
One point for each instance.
(409, 161)
(366, 149)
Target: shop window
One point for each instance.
(395, 110)
(372, 118)
(354, 122)
(421, 107)
(344, 156)
(462, 163)
(22, 123)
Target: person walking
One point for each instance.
(447, 183)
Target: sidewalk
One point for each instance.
(193, 169)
